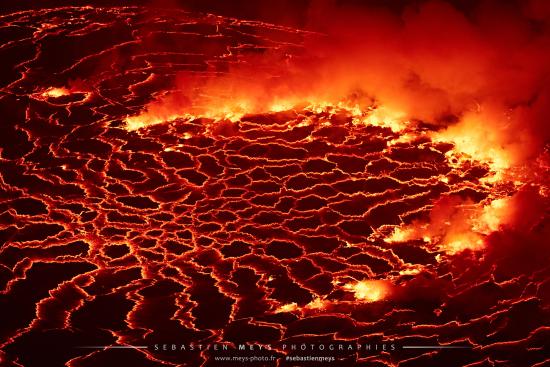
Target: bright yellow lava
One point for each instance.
(401, 235)
(369, 290)
(494, 215)
(460, 232)
(234, 111)
(317, 304)
(383, 117)
(289, 307)
(462, 241)
(55, 92)
(478, 136)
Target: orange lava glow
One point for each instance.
(166, 111)
(474, 139)
(289, 307)
(384, 117)
(317, 304)
(56, 92)
(365, 174)
(457, 226)
(369, 290)
(483, 137)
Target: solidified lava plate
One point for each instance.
(315, 225)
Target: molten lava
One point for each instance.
(381, 177)
(56, 92)
(368, 290)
